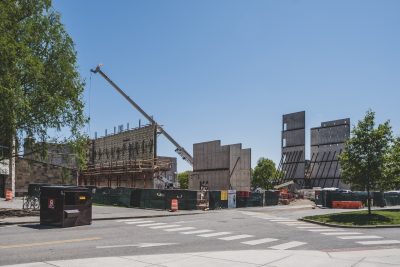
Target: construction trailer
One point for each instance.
(220, 167)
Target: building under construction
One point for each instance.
(219, 167)
(125, 159)
(327, 142)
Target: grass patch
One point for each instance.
(360, 218)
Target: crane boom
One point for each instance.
(179, 149)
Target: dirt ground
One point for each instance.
(5, 213)
(299, 202)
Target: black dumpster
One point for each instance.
(65, 206)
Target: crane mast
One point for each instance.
(179, 149)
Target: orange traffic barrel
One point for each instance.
(9, 194)
(174, 205)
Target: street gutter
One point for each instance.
(350, 226)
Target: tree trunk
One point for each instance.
(369, 196)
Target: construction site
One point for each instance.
(124, 167)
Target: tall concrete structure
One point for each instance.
(327, 142)
(220, 167)
(292, 165)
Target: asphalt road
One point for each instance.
(237, 229)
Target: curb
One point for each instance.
(106, 219)
(350, 226)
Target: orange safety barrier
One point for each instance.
(347, 204)
(9, 195)
(174, 205)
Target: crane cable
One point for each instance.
(90, 92)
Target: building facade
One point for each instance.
(327, 142)
(217, 167)
(125, 159)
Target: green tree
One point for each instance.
(364, 157)
(263, 174)
(183, 179)
(392, 168)
(40, 87)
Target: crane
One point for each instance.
(179, 149)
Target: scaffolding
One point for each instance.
(124, 173)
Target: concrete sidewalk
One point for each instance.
(281, 258)
(98, 213)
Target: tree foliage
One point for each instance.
(367, 155)
(40, 87)
(392, 166)
(263, 174)
(183, 179)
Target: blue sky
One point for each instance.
(228, 70)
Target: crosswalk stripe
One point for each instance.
(129, 220)
(342, 233)
(312, 227)
(297, 224)
(294, 223)
(278, 218)
(381, 242)
(179, 229)
(360, 237)
(215, 234)
(259, 241)
(325, 230)
(165, 226)
(249, 213)
(151, 224)
(235, 237)
(139, 222)
(197, 232)
(288, 245)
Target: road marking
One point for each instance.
(49, 243)
(259, 241)
(325, 230)
(283, 220)
(129, 220)
(140, 245)
(382, 242)
(250, 213)
(297, 224)
(288, 245)
(278, 218)
(165, 226)
(235, 237)
(342, 233)
(179, 229)
(151, 224)
(360, 237)
(197, 232)
(138, 222)
(215, 234)
(312, 227)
